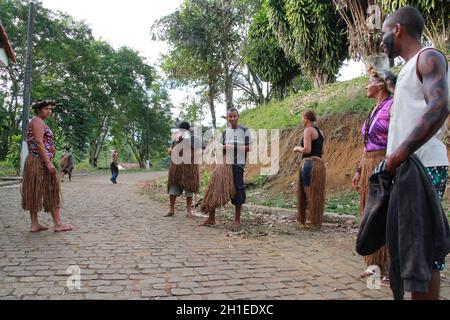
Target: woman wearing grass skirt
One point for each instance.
(312, 175)
(375, 133)
(41, 185)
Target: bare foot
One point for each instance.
(63, 228)
(306, 226)
(208, 223)
(189, 214)
(38, 228)
(169, 214)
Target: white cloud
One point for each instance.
(121, 23)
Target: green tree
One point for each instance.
(142, 116)
(437, 18)
(312, 34)
(363, 32)
(193, 57)
(206, 39)
(267, 58)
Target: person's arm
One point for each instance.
(38, 128)
(247, 147)
(432, 67)
(307, 143)
(357, 176)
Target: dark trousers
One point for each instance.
(114, 172)
(239, 185)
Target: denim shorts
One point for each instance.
(177, 191)
(307, 169)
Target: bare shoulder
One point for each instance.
(432, 62)
(310, 131)
(37, 122)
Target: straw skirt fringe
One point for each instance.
(39, 190)
(220, 188)
(311, 206)
(186, 176)
(369, 162)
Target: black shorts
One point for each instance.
(239, 185)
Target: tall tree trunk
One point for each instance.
(319, 78)
(228, 86)
(259, 88)
(211, 93)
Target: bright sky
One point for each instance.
(128, 23)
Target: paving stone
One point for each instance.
(127, 250)
(109, 289)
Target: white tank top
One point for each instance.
(407, 110)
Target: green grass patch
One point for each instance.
(6, 169)
(340, 97)
(345, 203)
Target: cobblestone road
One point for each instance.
(126, 250)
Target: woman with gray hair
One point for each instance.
(375, 134)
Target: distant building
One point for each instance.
(7, 54)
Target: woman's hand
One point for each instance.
(355, 181)
(298, 149)
(51, 168)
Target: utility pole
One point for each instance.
(27, 86)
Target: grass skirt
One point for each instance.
(311, 206)
(186, 176)
(369, 162)
(40, 190)
(220, 188)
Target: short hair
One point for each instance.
(409, 17)
(310, 115)
(232, 110)
(184, 125)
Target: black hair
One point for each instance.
(39, 104)
(410, 18)
(231, 110)
(184, 125)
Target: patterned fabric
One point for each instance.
(378, 123)
(439, 177)
(48, 140)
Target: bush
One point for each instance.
(14, 150)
